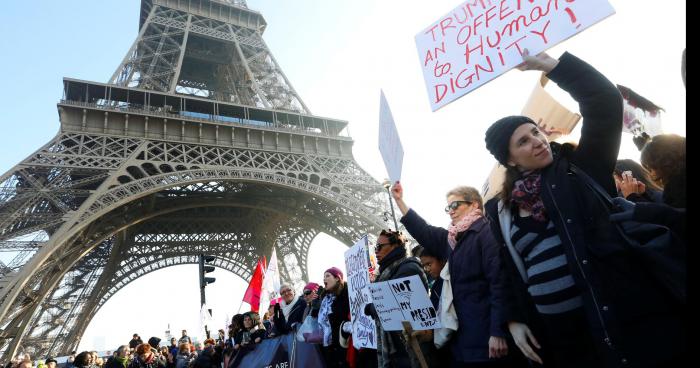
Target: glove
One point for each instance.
(370, 311)
(347, 327)
(277, 310)
(626, 207)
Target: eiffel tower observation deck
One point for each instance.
(198, 144)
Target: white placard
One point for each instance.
(364, 330)
(482, 39)
(404, 299)
(389, 141)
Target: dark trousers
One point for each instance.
(494, 364)
(366, 358)
(334, 356)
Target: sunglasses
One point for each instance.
(308, 292)
(454, 205)
(378, 247)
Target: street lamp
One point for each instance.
(387, 185)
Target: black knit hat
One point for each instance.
(154, 342)
(499, 133)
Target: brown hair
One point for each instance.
(469, 194)
(143, 348)
(512, 174)
(665, 155)
(185, 346)
(337, 291)
(255, 318)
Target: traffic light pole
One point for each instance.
(203, 281)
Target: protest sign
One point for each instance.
(482, 39)
(389, 141)
(364, 330)
(553, 118)
(404, 299)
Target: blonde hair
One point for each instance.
(469, 194)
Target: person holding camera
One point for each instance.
(311, 292)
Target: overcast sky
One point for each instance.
(337, 54)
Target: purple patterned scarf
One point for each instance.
(526, 194)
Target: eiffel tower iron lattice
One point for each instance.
(198, 144)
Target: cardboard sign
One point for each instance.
(364, 330)
(494, 183)
(553, 118)
(482, 39)
(389, 141)
(404, 299)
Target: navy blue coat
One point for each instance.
(633, 322)
(477, 280)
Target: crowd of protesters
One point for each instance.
(537, 276)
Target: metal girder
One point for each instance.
(105, 202)
(196, 185)
(250, 75)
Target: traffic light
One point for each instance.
(204, 269)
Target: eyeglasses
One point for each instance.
(378, 247)
(308, 292)
(454, 205)
(286, 291)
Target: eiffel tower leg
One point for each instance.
(123, 74)
(178, 66)
(47, 258)
(152, 61)
(26, 316)
(251, 77)
(64, 346)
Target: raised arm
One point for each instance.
(600, 104)
(430, 237)
(397, 193)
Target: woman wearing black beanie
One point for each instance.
(587, 301)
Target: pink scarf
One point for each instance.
(462, 225)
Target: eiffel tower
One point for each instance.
(198, 144)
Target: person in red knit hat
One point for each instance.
(334, 310)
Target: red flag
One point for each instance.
(252, 294)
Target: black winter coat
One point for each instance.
(632, 321)
(477, 279)
(392, 349)
(340, 312)
(284, 325)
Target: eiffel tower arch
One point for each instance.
(198, 144)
